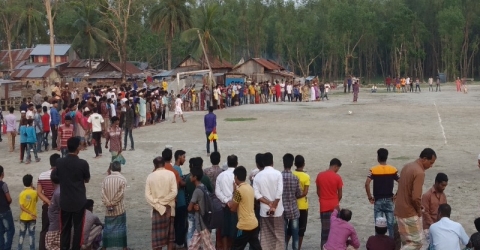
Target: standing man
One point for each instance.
(291, 191)
(113, 194)
(214, 171)
(430, 84)
(54, 123)
(45, 189)
(66, 132)
(97, 122)
(408, 205)
(383, 177)
(349, 82)
(11, 122)
(38, 127)
(388, 82)
(178, 109)
(431, 200)
(181, 206)
(128, 122)
(438, 84)
(356, 90)
(302, 201)
(268, 187)
(7, 231)
(447, 234)
(37, 98)
(243, 204)
(224, 192)
(160, 191)
(210, 122)
(208, 96)
(73, 173)
(329, 191)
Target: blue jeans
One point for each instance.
(39, 141)
(24, 227)
(191, 228)
(7, 228)
(31, 146)
(64, 152)
(291, 228)
(385, 207)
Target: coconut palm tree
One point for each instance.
(89, 38)
(171, 17)
(31, 23)
(212, 26)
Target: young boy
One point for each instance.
(197, 205)
(302, 201)
(28, 216)
(65, 132)
(8, 230)
(380, 241)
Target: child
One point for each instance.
(380, 241)
(46, 126)
(341, 231)
(65, 132)
(8, 230)
(31, 141)
(28, 216)
(197, 205)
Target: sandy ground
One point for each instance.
(403, 123)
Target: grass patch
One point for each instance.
(401, 158)
(240, 119)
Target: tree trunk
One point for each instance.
(48, 7)
(169, 53)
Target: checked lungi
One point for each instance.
(52, 240)
(272, 233)
(115, 231)
(325, 220)
(163, 232)
(411, 232)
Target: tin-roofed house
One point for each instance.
(260, 69)
(110, 72)
(20, 57)
(64, 53)
(36, 76)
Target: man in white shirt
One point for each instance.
(447, 234)
(113, 110)
(282, 90)
(289, 92)
(178, 109)
(224, 192)
(430, 84)
(96, 120)
(268, 187)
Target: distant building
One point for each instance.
(259, 70)
(110, 72)
(64, 53)
(20, 57)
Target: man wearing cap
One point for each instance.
(380, 241)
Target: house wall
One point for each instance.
(10, 90)
(250, 68)
(46, 59)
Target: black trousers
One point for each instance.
(45, 225)
(180, 223)
(163, 112)
(247, 237)
(69, 220)
(98, 142)
(208, 143)
(54, 130)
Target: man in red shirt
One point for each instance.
(329, 191)
(388, 82)
(46, 126)
(65, 132)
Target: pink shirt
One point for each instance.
(340, 232)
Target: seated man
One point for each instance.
(92, 229)
(342, 234)
(447, 234)
(475, 238)
(374, 88)
(380, 241)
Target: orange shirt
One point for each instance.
(169, 166)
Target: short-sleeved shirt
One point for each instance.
(198, 198)
(475, 239)
(65, 134)
(28, 199)
(72, 172)
(96, 120)
(328, 182)
(181, 191)
(4, 206)
(190, 187)
(304, 180)
(245, 197)
(380, 242)
(383, 177)
(45, 182)
(169, 166)
(178, 103)
(54, 211)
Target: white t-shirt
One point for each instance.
(408, 81)
(96, 120)
(113, 111)
(29, 114)
(289, 89)
(282, 86)
(327, 87)
(178, 104)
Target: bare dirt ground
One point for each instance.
(403, 123)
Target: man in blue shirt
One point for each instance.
(210, 122)
(54, 123)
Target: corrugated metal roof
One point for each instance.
(19, 57)
(268, 64)
(163, 74)
(44, 49)
(39, 72)
(79, 63)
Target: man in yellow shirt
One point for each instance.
(164, 85)
(403, 81)
(28, 205)
(302, 201)
(243, 202)
(251, 91)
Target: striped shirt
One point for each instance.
(113, 191)
(65, 133)
(47, 186)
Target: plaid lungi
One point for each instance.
(52, 240)
(272, 233)
(202, 237)
(411, 232)
(115, 231)
(325, 220)
(163, 232)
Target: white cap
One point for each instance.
(66, 83)
(381, 222)
(86, 109)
